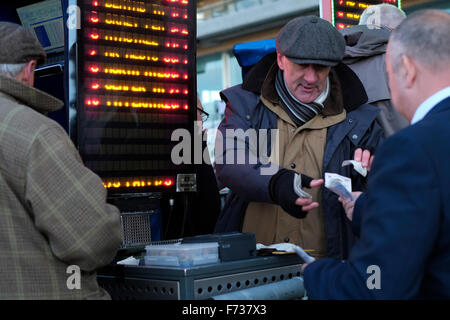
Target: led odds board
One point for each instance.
(133, 72)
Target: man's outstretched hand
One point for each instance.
(307, 204)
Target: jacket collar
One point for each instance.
(32, 97)
(431, 103)
(444, 105)
(353, 93)
(332, 105)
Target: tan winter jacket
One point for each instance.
(300, 149)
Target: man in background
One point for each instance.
(365, 54)
(319, 121)
(56, 228)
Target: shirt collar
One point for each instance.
(429, 104)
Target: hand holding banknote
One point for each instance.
(365, 157)
(349, 204)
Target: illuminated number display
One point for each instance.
(346, 13)
(136, 85)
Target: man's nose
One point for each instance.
(311, 75)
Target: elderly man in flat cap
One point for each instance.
(56, 228)
(316, 107)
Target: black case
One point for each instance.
(232, 245)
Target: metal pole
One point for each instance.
(281, 290)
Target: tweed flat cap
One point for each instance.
(17, 45)
(310, 39)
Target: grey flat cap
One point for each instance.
(311, 40)
(17, 45)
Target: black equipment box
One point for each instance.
(232, 245)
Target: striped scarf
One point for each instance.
(298, 111)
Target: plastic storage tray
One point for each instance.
(182, 255)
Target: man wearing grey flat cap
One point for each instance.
(314, 108)
(56, 228)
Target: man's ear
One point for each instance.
(280, 60)
(410, 71)
(27, 73)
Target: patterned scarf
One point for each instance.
(298, 111)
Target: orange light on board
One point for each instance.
(93, 102)
(94, 20)
(112, 54)
(94, 69)
(135, 183)
(95, 3)
(92, 52)
(171, 60)
(121, 23)
(95, 86)
(363, 5)
(172, 45)
(124, 7)
(159, 90)
(94, 36)
(131, 40)
(142, 105)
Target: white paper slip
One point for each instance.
(132, 261)
(298, 187)
(357, 166)
(340, 185)
(288, 247)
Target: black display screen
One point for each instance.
(136, 85)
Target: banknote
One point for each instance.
(340, 185)
(357, 166)
(298, 187)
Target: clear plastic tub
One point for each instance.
(182, 255)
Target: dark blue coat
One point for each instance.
(245, 110)
(403, 220)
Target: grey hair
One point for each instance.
(382, 15)
(11, 70)
(423, 36)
